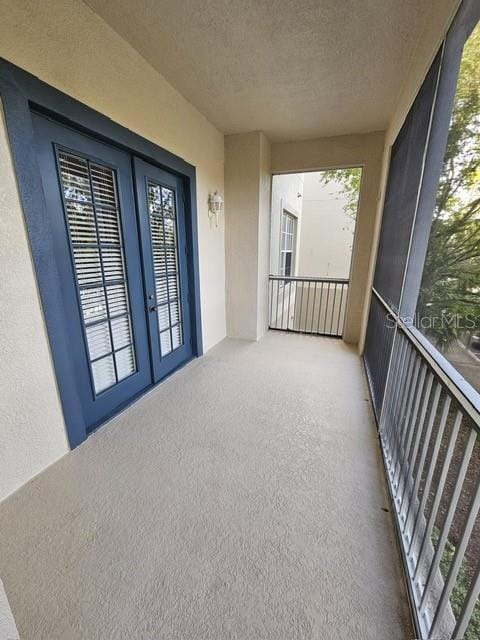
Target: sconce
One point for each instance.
(215, 206)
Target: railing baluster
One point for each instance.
(431, 469)
(270, 287)
(457, 558)
(391, 397)
(320, 308)
(395, 430)
(468, 606)
(438, 492)
(344, 314)
(411, 430)
(416, 443)
(405, 408)
(276, 305)
(339, 333)
(301, 308)
(397, 414)
(333, 307)
(423, 454)
(405, 425)
(329, 304)
(313, 310)
(462, 472)
(289, 307)
(295, 304)
(306, 310)
(326, 310)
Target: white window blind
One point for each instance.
(93, 216)
(163, 230)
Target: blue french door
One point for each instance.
(122, 267)
(164, 249)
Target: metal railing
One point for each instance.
(308, 305)
(429, 434)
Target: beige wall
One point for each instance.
(247, 219)
(327, 234)
(32, 432)
(364, 150)
(263, 235)
(70, 47)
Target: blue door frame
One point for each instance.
(23, 95)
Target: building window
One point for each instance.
(288, 239)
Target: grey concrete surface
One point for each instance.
(242, 498)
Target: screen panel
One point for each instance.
(378, 347)
(402, 191)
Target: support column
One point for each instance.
(247, 224)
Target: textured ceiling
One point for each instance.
(291, 68)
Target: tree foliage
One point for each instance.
(350, 180)
(451, 278)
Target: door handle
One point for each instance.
(152, 307)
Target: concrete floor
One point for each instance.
(242, 498)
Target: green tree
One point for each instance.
(451, 278)
(350, 180)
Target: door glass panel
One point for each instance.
(93, 216)
(163, 236)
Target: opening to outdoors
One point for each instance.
(312, 229)
(448, 315)
(448, 309)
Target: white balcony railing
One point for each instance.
(308, 305)
(429, 431)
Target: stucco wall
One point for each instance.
(362, 150)
(32, 432)
(70, 47)
(327, 234)
(263, 234)
(287, 193)
(247, 219)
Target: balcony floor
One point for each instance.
(240, 499)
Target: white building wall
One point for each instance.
(287, 194)
(68, 46)
(327, 232)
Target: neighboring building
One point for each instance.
(311, 237)
(311, 232)
(327, 233)
(285, 223)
